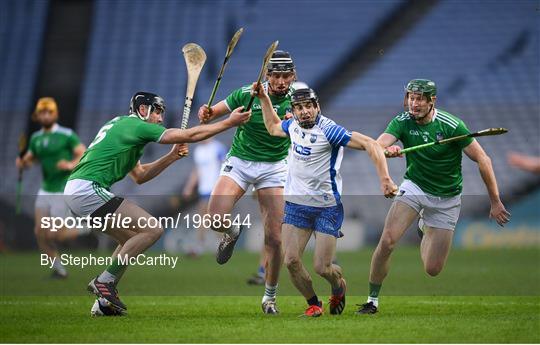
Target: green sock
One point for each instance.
(374, 290)
(116, 268)
(113, 273)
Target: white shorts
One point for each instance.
(437, 212)
(51, 204)
(259, 174)
(84, 197)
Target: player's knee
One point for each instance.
(157, 233)
(386, 245)
(50, 235)
(322, 268)
(293, 263)
(433, 269)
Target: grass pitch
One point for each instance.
(482, 296)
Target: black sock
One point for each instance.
(313, 300)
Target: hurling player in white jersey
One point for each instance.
(313, 190)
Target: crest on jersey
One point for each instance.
(439, 136)
(313, 138)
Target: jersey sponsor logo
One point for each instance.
(301, 150)
(256, 106)
(425, 135)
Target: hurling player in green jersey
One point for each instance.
(256, 158)
(58, 150)
(115, 153)
(432, 184)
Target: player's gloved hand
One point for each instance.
(499, 213)
(389, 188)
(179, 151)
(239, 116)
(393, 151)
(258, 90)
(64, 165)
(205, 113)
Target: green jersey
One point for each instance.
(252, 141)
(115, 151)
(436, 169)
(50, 147)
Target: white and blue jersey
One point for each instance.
(314, 161)
(313, 187)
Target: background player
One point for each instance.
(313, 191)
(114, 153)
(58, 150)
(208, 156)
(256, 158)
(432, 184)
(524, 162)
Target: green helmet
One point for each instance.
(424, 86)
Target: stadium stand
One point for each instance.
(485, 64)
(125, 56)
(20, 48)
(487, 72)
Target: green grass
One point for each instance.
(482, 296)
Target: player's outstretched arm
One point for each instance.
(386, 141)
(363, 142)
(477, 154)
(198, 133)
(272, 122)
(145, 172)
(207, 114)
(524, 162)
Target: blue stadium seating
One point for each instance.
(484, 58)
(136, 46)
(21, 32)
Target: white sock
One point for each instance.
(106, 277)
(57, 266)
(233, 231)
(270, 292)
(374, 300)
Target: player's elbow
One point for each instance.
(138, 178)
(275, 131)
(484, 161)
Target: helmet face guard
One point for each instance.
(302, 96)
(151, 100)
